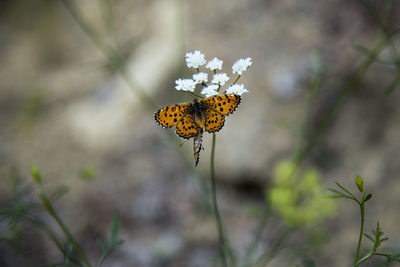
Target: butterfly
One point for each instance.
(191, 119)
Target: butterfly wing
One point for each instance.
(223, 104)
(217, 107)
(171, 115)
(214, 121)
(186, 127)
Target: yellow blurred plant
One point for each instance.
(299, 200)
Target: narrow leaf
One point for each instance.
(36, 174)
(368, 197)
(67, 250)
(88, 174)
(393, 85)
(363, 50)
(360, 183)
(101, 246)
(114, 227)
(369, 237)
(58, 193)
(120, 242)
(344, 189)
(339, 194)
(336, 196)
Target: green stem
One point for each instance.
(274, 249)
(362, 210)
(257, 236)
(195, 95)
(50, 209)
(314, 88)
(112, 55)
(215, 206)
(381, 23)
(371, 254)
(106, 252)
(350, 86)
(235, 81)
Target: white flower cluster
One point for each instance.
(197, 59)
(241, 65)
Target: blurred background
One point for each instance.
(80, 81)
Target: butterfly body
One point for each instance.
(191, 118)
(197, 110)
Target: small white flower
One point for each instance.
(241, 65)
(200, 77)
(236, 89)
(220, 79)
(214, 64)
(194, 60)
(185, 85)
(210, 90)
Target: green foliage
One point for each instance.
(17, 211)
(360, 183)
(88, 173)
(112, 242)
(377, 238)
(299, 201)
(306, 262)
(35, 174)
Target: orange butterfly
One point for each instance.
(191, 118)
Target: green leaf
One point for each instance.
(368, 197)
(338, 194)
(362, 49)
(306, 262)
(114, 227)
(369, 237)
(360, 183)
(67, 250)
(118, 243)
(393, 85)
(316, 64)
(88, 174)
(62, 190)
(101, 246)
(36, 174)
(346, 190)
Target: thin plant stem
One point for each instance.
(314, 89)
(53, 236)
(369, 256)
(257, 236)
(279, 242)
(362, 210)
(224, 244)
(105, 254)
(50, 209)
(112, 55)
(350, 86)
(381, 23)
(195, 95)
(237, 78)
(215, 206)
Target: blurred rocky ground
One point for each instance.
(64, 108)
